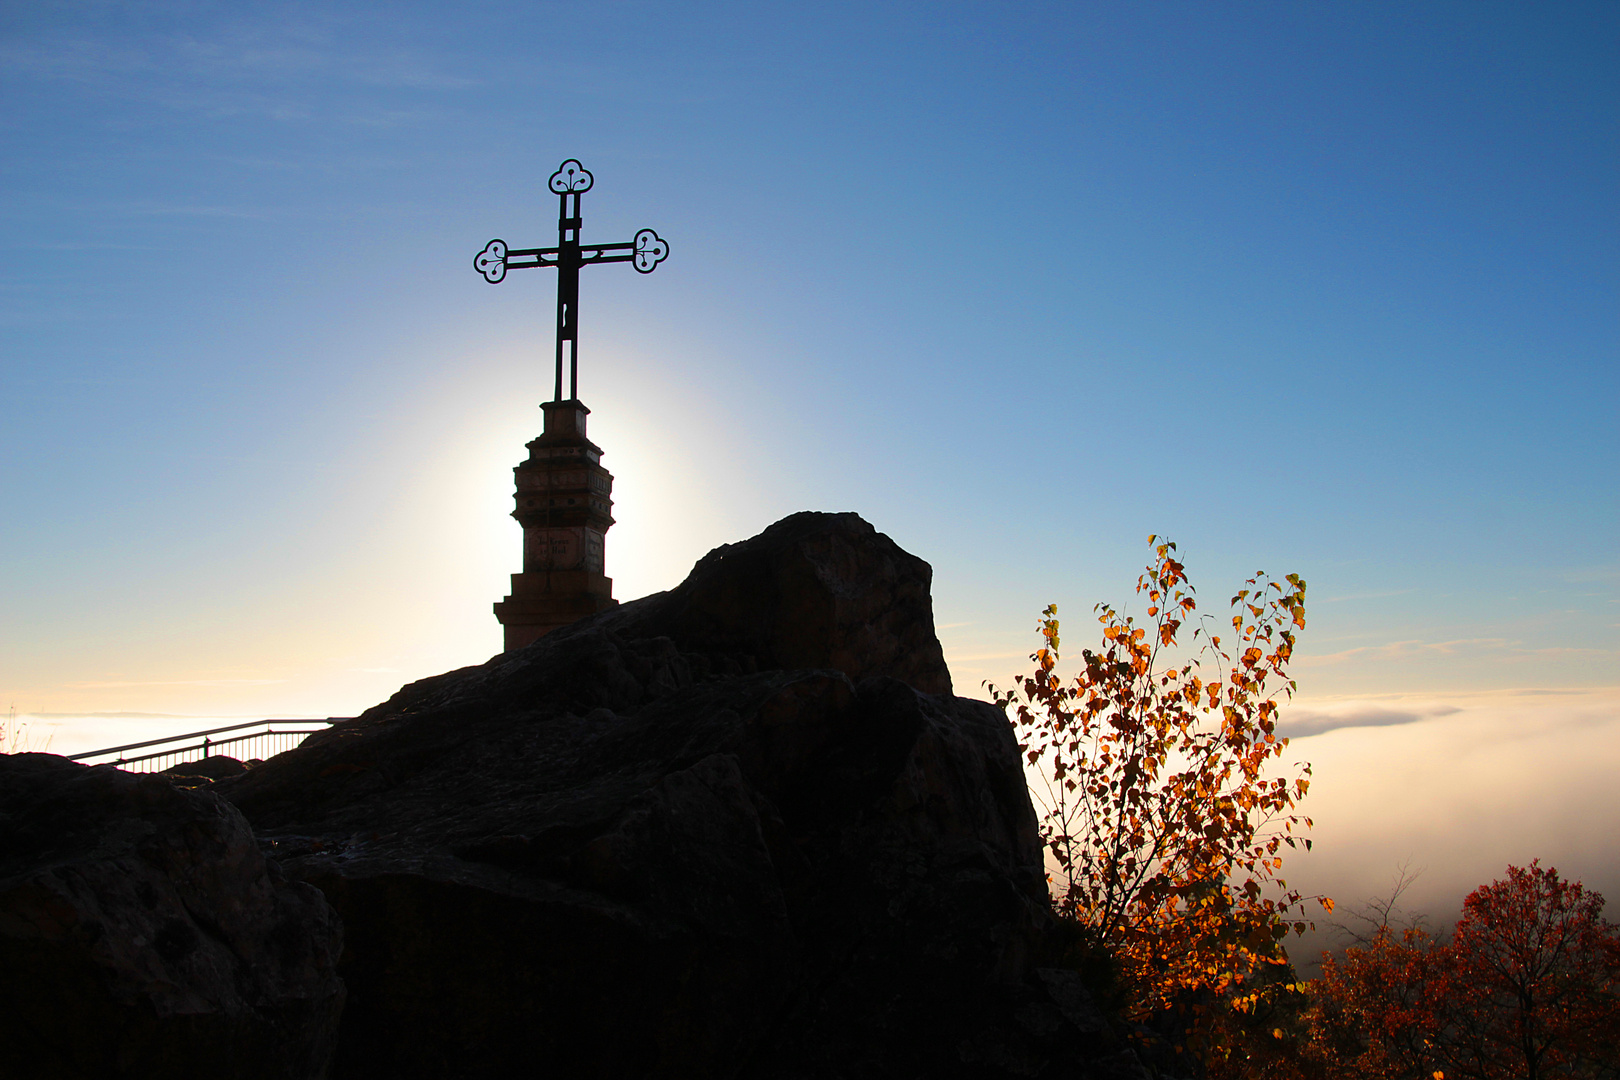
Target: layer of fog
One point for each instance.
(1456, 787)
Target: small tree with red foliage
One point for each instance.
(1372, 1015)
(1528, 988)
(1531, 986)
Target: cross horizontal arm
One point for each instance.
(598, 253)
(645, 252)
(541, 257)
(588, 253)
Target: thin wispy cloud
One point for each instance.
(1395, 650)
(1505, 650)
(285, 72)
(1593, 575)
(199, 211)
(110, 716)
(86, 245)
(1303, 723)
(175, 682)
(1366, 596)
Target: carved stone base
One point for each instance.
(542, 602)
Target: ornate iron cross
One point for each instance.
(646, 251)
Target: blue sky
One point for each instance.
(1326, 288)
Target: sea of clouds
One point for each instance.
(1456, 787)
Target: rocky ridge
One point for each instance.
(742, 828)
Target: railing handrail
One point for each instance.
(208, 744)
(200, 734)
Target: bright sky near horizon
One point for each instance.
(1327, 288)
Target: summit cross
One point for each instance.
(646, 251)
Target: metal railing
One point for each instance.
(278, 736)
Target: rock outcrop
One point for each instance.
(738, 829)
(143, 934)
(812, 591)
(204, 772)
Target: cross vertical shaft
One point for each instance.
(568, 263)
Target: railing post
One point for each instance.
(207, 742)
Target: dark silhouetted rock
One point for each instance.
(811, 591)
(143, 934)
(736, 829)
(205, 770)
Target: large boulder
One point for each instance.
(812, 591)
(143, 934)
(741, 828)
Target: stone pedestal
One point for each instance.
(565, 505)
